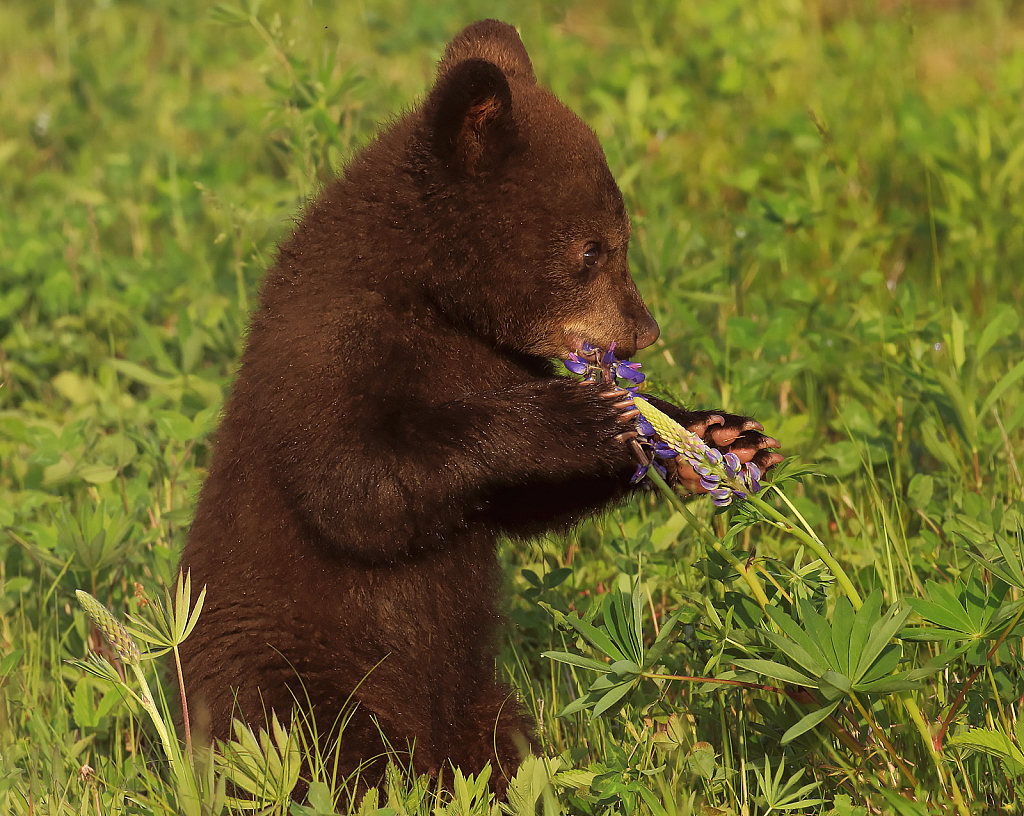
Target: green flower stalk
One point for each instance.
(128, 651)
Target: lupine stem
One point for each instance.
(893, 755)
(813, 543)
(748, 575)
(915, 714)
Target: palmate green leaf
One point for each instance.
(1011, 570)
(576, 706)
(903, 681)
(836, 680)
(980, 603)
(638, 622)
(624, 668)
(167, 630)
(618, 620)
(184, 621)
(779, 795)
(883, 665)
(99, 667)
(266, 766)
(805, 724)
(845, 630)
(610, 680)
(1006, 611)
(953, 621)
(795, 652)
(1011, 556)
(661, 643)
(929, 633)
(964, 610)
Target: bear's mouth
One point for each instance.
(575, 344)
(585, 348)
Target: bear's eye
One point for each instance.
(591, 254)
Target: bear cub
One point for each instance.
(397, 411)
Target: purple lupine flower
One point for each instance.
(710, 483)
(721, 496)
(702, 468)
(575, 363)
(599, 366)
(753, 477)
(663, 451)
(629, 371)
(641, 471)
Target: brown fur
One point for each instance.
(396, 411)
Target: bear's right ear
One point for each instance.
(468, 117)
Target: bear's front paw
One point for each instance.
(728, 433)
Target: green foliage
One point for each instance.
(828, 225)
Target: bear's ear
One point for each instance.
(468, 117)
(493, 41)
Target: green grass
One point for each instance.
(829, 226)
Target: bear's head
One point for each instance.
(528, 209)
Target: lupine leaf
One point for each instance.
(885, 664)
(821, 633)
(844, 624)
(595, 637)
(881, 633)
(860, 633)
(662, 642)
(577, 660)
(777, 671)
(812, 720)
(937, 613)
(838, 681)
(611, 698)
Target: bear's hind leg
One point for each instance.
(492, 729)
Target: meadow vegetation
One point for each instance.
(829, 227)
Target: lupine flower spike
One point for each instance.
(113, 632)
(723, 476)
(661, 437)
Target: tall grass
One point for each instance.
(829, 226)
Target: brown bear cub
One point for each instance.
(397, 411)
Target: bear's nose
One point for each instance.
(648, 333)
